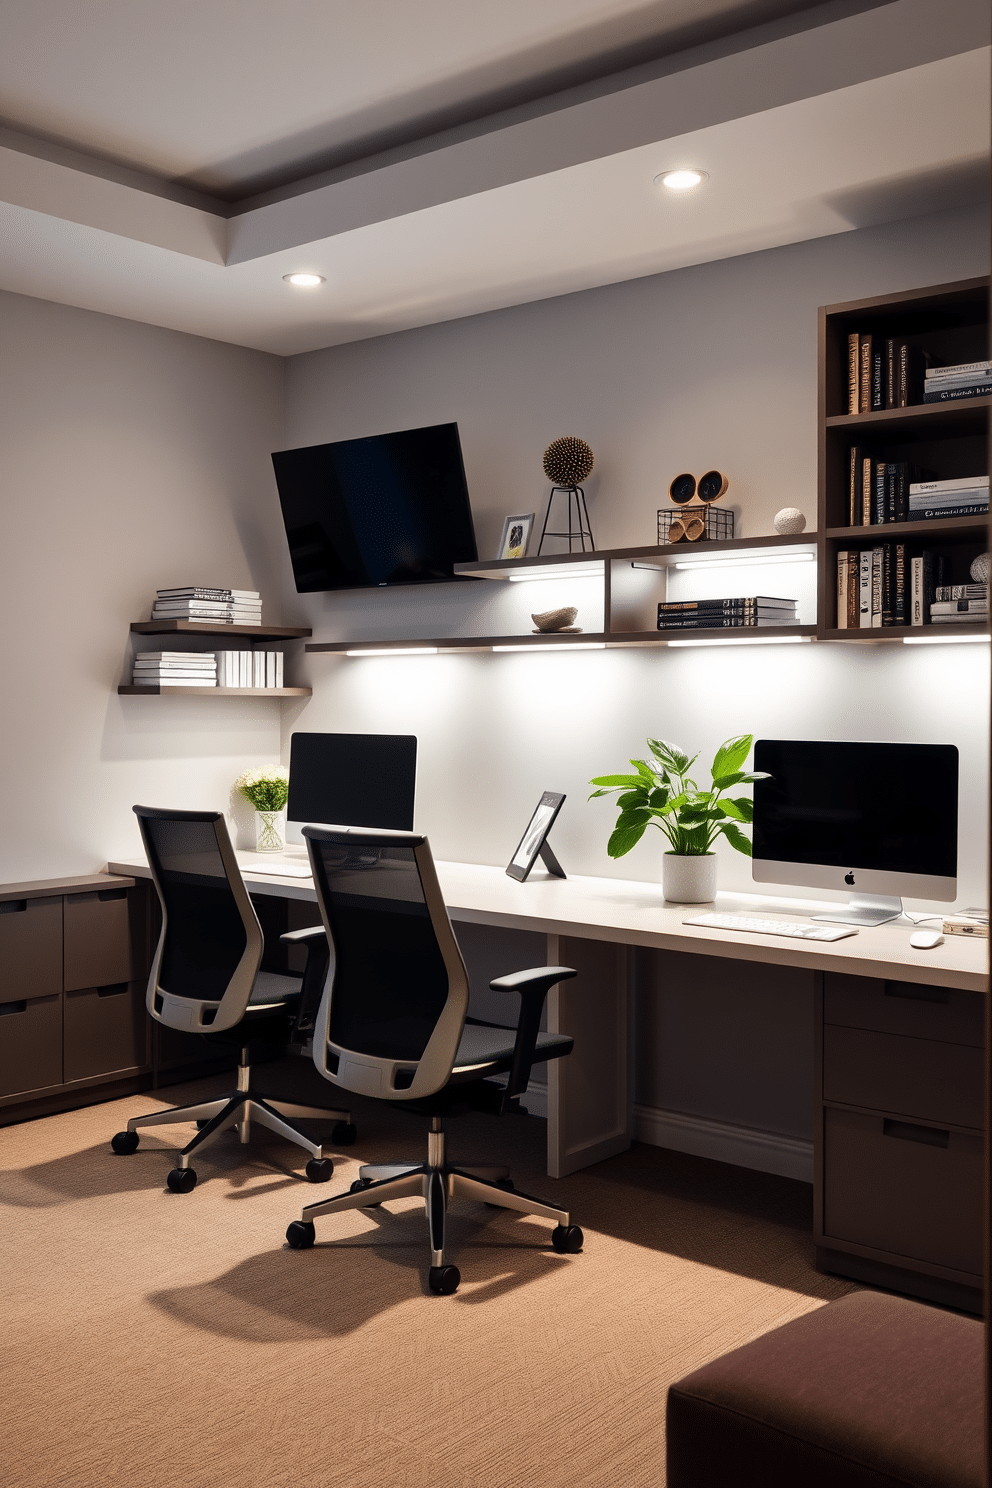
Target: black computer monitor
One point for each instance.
(353, 780)
(878, 819)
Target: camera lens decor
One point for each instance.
(712, 486)
(682, 489)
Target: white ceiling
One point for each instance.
(872, 115)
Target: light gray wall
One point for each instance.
(711, 366)
(132, 458)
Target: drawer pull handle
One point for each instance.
(13, 1007)
(113, 989)
(913, 992)
(908, 1131)
(105, 896)
(13, 906)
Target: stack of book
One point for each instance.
(884, 372)
(954, 604)
(249, 669)
(726, 614)
(174, 669)
(965, 496)
(213, 606)
(966, 380)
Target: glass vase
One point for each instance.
(270, 831)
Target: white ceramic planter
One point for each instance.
(689, 880)
(270, 831)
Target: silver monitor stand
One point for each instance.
(864, 909)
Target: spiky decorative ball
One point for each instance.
(568, 461)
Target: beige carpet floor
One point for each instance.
(164, 1340)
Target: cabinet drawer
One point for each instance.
(903, 1187)
(942, 1013)
(30, 1043)
(106, 937)
(30, 948)
(914, 1076)
(105, 1030)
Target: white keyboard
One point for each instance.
(751, 925)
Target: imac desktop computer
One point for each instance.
(352, 780)
(878, 819)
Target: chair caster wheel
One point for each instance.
(124, 1143)
(181, 1180)
(345, 1134)
(567, 1239)
(319, 1169)
(443, 1280)
(507, 1185)
(201, 1124)
(358, 1186)
(300, 1235)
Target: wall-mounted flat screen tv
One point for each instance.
(368, 513)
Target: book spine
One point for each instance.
(959, 483)
(962, 591)
(902, 393)
(917, 615)
(961, 369)
(864, 589)
(864, 381)
(876, 587)
(854, 487)
(891, 373)
(958, 606)
(878, 494)
(866, 490)
(890, 491)
(687, 606)
(933, 513)
(901, 501)
(888, 595)
(853, 589)
(843, 563)
(899, 615)
(951, 395)
(279, 681)
(853, 371)
(725, 622)
(877, 393)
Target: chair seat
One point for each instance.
(487, 1049)
(871, 1391)
(273, 991)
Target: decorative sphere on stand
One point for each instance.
(568, 461)
(789, 521)
(980, 569)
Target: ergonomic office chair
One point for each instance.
(206, 978)
(392, 1025)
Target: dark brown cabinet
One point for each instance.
(899, 1136)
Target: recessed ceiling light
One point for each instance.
(304, 281)
(680, 180)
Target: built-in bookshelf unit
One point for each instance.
(214, 632)
(941, 441)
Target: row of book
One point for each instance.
(208, 669)
(881, 491)
(726, 614)
(213, 606)
(886, 372)
(891, 585)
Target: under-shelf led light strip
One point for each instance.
(945, 640)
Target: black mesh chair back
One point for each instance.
(210, 948)
(396, 996)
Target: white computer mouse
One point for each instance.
(925, 940)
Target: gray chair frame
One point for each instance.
(244, 1105)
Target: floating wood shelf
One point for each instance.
(166, 689)
(210, 628)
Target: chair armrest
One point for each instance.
(300, 937)
(314, 937)
(533, 986)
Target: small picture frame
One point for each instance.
(516, 536)
(534, 844)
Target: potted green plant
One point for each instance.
(662, 794)
(268, 791)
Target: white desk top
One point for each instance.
(632, 913)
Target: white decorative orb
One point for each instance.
(980, 569)
(789, 520)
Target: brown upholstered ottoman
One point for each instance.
(872, 1391)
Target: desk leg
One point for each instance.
(589, 1113)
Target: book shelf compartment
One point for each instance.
(214, 632)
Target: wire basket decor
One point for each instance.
(694, 524)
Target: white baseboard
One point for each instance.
(745, 1146)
